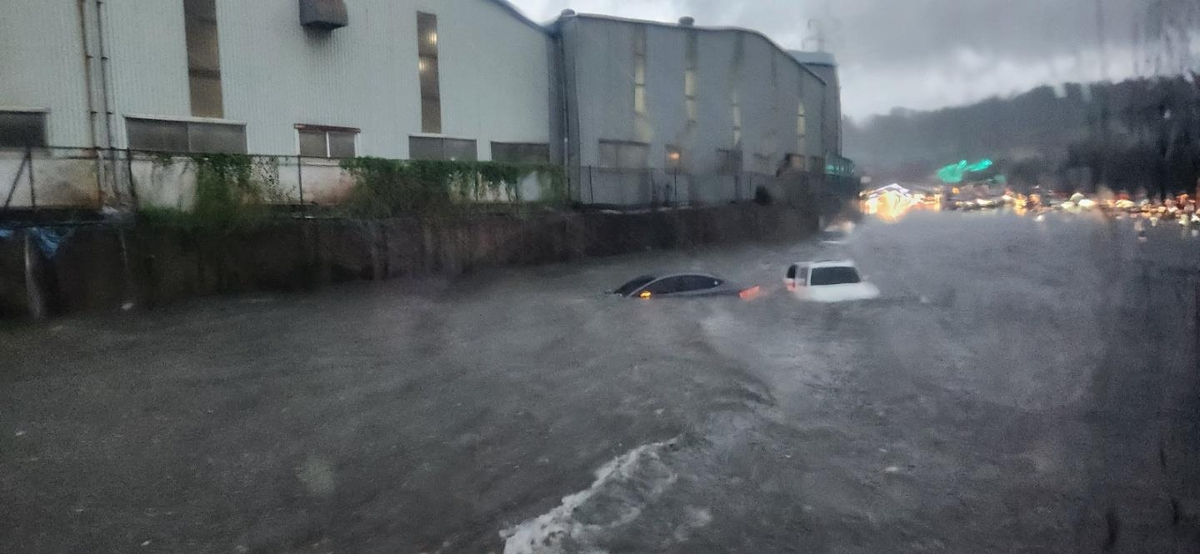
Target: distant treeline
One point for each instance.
(1142, 133)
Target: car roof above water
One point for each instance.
(827, 263)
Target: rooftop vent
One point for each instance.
(568, 13)
(687, 21)
(325, 15)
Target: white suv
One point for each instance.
(831, 281)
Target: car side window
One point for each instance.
(700, 282)
(670, 285)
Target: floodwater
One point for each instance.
(1021, 386)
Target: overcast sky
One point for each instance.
(919, 54)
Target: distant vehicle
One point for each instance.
(829, 281)
(680, 285)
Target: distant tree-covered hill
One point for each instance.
(1137, 133)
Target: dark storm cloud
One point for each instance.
(917, 31)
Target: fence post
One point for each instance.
(32, 189)
(33, 289)
(591, 186)
(300, 182)
(133, 195)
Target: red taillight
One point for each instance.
(750, 293)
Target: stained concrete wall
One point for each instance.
(104, 267)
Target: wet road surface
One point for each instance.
(1022, 386)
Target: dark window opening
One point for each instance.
(520, 153)
(731, 162)
(22, 129)
(203, 58)
(436, 148)
(624, 155)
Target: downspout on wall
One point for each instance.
(105, 92)
(85, 43)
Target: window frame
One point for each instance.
(525, 159)
(621, 152)
(429, 74)
(442, 141)
(187, 123)
(326, 130)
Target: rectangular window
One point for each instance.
(731, 162)
(737, 118)
(427, 65)
(624, 155)
(735, 78)
(639, 71)
(157, 135)
(319, 141)
(674, 159)
(204, 58)
(22, 129)
(691, 65)
(801, 129)
(435, 148)
(520, 153)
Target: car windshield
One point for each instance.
(633, 285)
(843, 275)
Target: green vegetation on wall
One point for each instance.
(232, 190)
(386, 188)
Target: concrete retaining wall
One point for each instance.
(105, 267)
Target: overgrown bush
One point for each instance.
(232, 190)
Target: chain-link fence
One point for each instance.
(50, 178)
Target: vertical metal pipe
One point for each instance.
(105, 86)
(81, 5)
(300, 182)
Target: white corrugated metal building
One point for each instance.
(252, 66)
(429, 79)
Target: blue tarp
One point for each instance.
(49, 239)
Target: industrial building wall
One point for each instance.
(41, 66)
(494, 77)
(769, 86)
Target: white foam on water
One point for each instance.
(635, 478)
